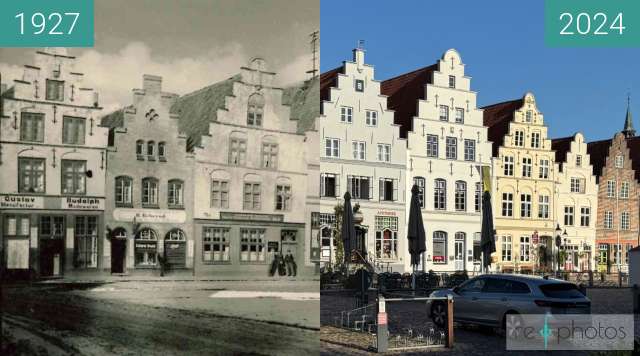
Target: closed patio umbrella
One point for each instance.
(348, 230)
(415, 232)
(487, 234)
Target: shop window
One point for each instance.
(439, 247)
(175, 193)
(386, 237)
(150, 192)
(73, 130)
(252, 245)
(32, 127)
(325, 241)
(86, 242)
(124, 186)
(74, 177)
(146, 248)
(31, 175)
(216, 244)
(16, 234)
(52, 227)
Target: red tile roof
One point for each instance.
(328, 80)
(562, 146)
(497, 118)
(403, 93)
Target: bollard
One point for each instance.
(382, 336)
(449, 321)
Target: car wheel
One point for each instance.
(512, 320)
(439, 314)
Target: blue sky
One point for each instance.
(502, 45)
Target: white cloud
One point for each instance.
(114, 75)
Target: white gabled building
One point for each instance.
(447, 143)
(362, 152)
(576, 197)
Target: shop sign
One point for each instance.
(82, 203)
(387, 213)
(21, 202)
(251, 217)
(146, 246)
(150, 215)
(438, 258)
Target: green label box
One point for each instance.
(592, 23)
(46, 23)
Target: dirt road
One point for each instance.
(89, 327)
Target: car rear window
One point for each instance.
(561, 290)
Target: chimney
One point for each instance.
(152, 84)
(358, 54)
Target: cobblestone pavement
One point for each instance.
(468, 340)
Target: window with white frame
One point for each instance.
(283, 197)
(444, 113)
(219, 193)
(528, 116)
(478, 198)
(175, 193)
(568, 215)
(332, 147)
(388, 189)
(579, 161)
(461, 196)
(576, 185)
(452, 148)
(544, 169)
(469, 150)
(216, 245)
(535, 140)
(507, 204)
(359, 150)
(123, 193)
(525, 205)
(619, 161)
(439, 247)
(420, 182)
(346, 114)
(508, 163)
(252, 245)
(252, 196)
(460, 115)
(371, 117)
(73, 130)
(360, 187)
(329, 185)
(150, 192)
(585, 216)
(519, 138)
(440, 194)
(359, 85)
(31, 175)
(386, 237)
(525, 248)
(624, 220)
(624, 190)
(506, 248)
(611, 189)
(237, 151)
(452, 81)
(432, 146)
(31, 127)
(543, 206)
(74, 177)
(526, 167)
(269, 155)
(608, 219)
(55, 90)
(384, 152)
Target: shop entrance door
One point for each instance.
(51, 236)
(118, 253)
(459, 255)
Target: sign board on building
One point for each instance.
(82, 203)
(150, 215)
(252, 217)
(387, 213)
(145, 245)
(10, 201)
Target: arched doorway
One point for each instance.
(118, 250)
(175, 248)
